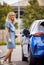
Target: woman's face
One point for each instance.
(12, 17)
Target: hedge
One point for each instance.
(4, 43)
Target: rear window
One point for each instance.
(41, 27)
(42, 24)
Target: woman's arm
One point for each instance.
(7, 33)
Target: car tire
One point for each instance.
(32, 60)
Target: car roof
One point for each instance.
(37, 21)
(35, 26)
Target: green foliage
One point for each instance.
(18, 43)
(4, 9)
(4, 43)
(32, 12)
(16, 25)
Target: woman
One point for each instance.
(10, 35)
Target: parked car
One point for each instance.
(25, 45)
(37, 43)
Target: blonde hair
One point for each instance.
(9, 14)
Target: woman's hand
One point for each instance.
(9, 40)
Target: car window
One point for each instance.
(41, 27)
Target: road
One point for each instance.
(16, 56)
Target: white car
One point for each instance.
(25, 45)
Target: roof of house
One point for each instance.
(21, 3)
(25, 3)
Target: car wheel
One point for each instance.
(32, 60)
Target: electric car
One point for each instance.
(36, 43)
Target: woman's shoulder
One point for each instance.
(7, 24)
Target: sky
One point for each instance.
(9, 1)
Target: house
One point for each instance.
(18, 6)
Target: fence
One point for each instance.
(2, 35)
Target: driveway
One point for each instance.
(16, 56)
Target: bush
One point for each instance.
(4, 43)
(18, 43)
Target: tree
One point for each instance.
(4, 9)
(32, 12)
(16, 25)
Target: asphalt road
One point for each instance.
(16, 56)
